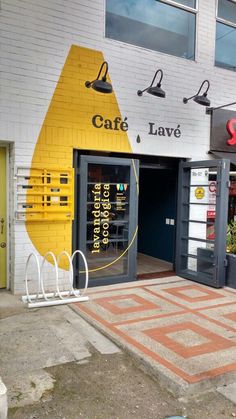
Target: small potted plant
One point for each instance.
(231, 255)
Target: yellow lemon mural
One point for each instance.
(67, 126)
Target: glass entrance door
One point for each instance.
(107, 218)
(202, 221)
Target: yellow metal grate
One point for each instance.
(45, 194)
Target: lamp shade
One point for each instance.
(156, 91)
(202, 100)
(102, 86)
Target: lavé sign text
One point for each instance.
(164, 131)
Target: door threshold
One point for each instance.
(153, 275)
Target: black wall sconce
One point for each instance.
(102, 86)
(200, 99)
(154, 90)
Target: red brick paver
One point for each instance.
(184, 327)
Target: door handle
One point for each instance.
(2, 225)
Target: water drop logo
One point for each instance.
(121, 187)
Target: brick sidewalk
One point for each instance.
(186, 330)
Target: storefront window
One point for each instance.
(154, 25)
(226, 35)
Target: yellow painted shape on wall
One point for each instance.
(3, 220)
(68, 126)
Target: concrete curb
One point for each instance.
(3, 400)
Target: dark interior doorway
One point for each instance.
(153, 251)
(157, 218)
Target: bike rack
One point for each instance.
(42, 298)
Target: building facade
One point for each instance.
(73, 160)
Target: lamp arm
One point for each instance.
(186, 99)
(101, 68)
(159, 83)
(208, 86)
(89, 83)
(140, 92)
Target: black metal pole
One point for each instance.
(210, 110)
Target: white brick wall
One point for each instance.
(35, 40)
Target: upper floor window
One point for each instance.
(160, 25)
(225, 55)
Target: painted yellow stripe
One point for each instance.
(67, 125)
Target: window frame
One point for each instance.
(181, 6)
(220, 19)
(170, 3)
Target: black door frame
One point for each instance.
(216, 258)
(79, 224)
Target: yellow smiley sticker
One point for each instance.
(199, 193)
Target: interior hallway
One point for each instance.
(148, 264)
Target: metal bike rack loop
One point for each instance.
(58, 297)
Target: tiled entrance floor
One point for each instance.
(185, 330)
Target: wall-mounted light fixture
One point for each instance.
(154, 90)
(200, 99)
(102, 86)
